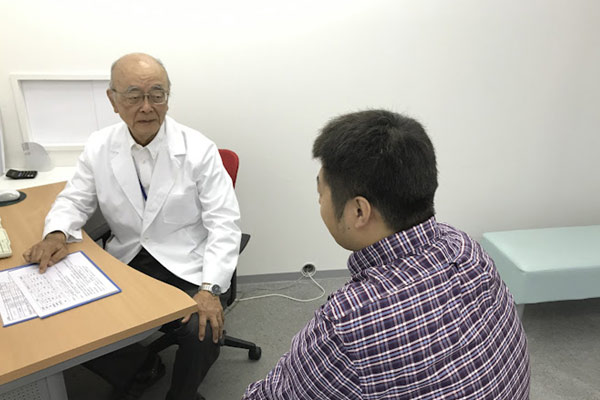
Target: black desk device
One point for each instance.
(14, 174)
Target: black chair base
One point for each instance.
(168, 339)
(254, 351)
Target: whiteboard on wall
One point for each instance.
(2, 155)
(59, 111)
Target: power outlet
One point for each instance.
(308, 269)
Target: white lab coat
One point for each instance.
(189, 222)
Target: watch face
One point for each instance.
(216, 290)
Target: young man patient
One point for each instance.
(425, 314)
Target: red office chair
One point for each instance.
(231, 163)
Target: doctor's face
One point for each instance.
(140, 85)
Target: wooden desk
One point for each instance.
(39, 344)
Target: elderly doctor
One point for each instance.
(170, 205)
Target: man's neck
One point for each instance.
(374, 234)
(143, 143)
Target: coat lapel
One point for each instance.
(165, 171)
(124, 170)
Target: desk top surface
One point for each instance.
(57, 174)
(143, 304)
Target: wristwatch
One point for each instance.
(213, 288)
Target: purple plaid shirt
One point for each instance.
(424, 316)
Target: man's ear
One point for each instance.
(110, 94)
(362, 212)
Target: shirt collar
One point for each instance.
(395, 246)
(153, 146)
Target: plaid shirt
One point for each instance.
(424, 316)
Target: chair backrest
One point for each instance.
(231, 162)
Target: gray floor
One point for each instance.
(563, 342)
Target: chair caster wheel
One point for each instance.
(254, 353)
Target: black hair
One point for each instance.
(386, 158)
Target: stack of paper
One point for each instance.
(74, 281)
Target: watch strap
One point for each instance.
(212, 288)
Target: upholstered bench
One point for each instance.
(549, 264)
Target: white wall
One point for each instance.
(508, 90)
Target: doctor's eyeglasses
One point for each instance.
(136, 97)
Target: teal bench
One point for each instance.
(550, 264)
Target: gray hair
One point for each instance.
(114, 64)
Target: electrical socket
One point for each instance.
(308, 269)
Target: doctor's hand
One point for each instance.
(209, 309)
(47, 252)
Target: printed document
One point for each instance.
(14, 307)
(73, 281)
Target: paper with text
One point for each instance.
(73, 281)
(14, 307)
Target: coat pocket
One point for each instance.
(181, 208)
